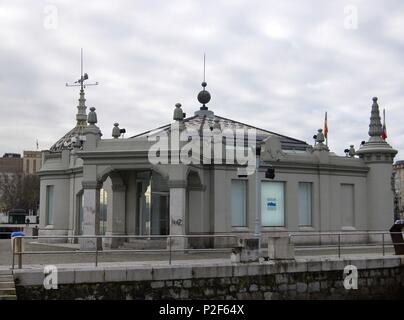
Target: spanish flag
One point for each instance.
(384, 132)
(326, 128)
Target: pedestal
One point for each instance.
(279, 247)
(91, 218)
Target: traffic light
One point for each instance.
(270, 173)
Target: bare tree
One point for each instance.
(19, 191)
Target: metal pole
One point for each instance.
(19, 242)
(339, 245)
(13, 250)
(96, 254)
(257, 231)
(169, 246)
(383, 243)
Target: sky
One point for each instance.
(277, 65)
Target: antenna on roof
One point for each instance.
(204, 58)
(204, 95)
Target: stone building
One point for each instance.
(11, 163)
(180, 179)
(398, 169)
(31, 162)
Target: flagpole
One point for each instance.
(384, 134)
(326, 128)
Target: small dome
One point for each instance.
(66, 142)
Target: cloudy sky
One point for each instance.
(278, 65)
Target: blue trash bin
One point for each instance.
(17, 234)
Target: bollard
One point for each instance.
(169, 247)
(17, 246)
(280, 246)
(19, 251)
(247, 250)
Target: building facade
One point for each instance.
(398, 169)
(182, 179)
(11, 163)
(32, 162)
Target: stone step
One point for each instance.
(7, 278)
(7, 291)
(5, 272)
(147, 240)
(6, 284)
(145, 244)
(8, 297)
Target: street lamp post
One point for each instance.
(257, 229)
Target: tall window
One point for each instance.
(238, 203)
(305, 203)
(49, 204)
(272, 204)
(34, 167)
(103, 211)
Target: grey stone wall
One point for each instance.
(305, 279)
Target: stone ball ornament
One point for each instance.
(204, 95)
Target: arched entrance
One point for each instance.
(152, 204)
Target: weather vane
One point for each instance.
(83, 78)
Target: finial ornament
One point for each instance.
(116, 132)
(319, 138)
(352, 151)
(376, 149)
(375, 126)
(204, 95)
(92, 116)
(178, 113)
(216, 126)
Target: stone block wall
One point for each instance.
(304, 279)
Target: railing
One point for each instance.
(17, 246)
(340, 245)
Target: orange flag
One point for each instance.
(384, 133)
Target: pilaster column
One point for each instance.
(91, 215)
(177, 212)
(116, 218)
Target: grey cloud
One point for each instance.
(276, 65)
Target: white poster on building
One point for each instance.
(272, 204)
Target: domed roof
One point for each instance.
(66, 142)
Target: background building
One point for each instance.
(399, 188)
(19, 184)
(11, 163)
(32, 161)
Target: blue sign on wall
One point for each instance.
(271, 203)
